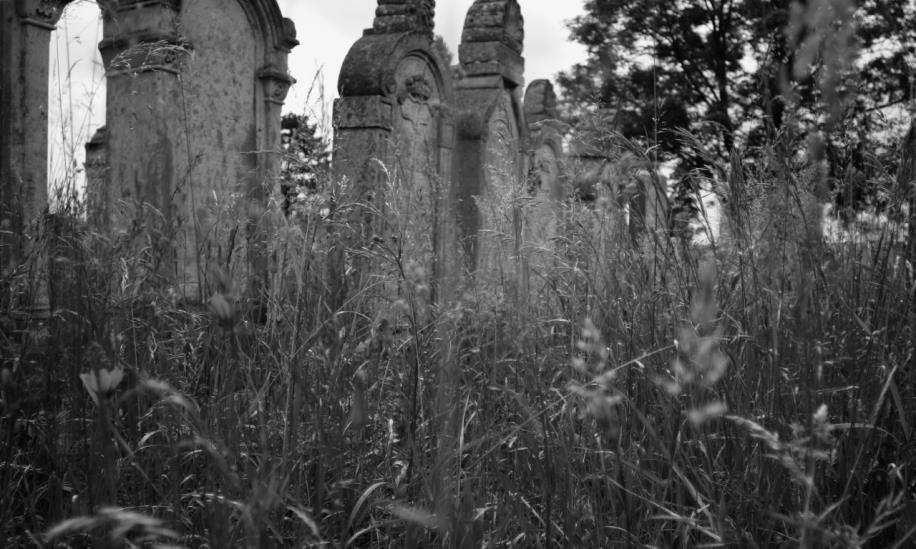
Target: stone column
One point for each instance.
(143, 56)
(275, 84)
(25, 34)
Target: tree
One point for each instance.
(728, 70)
(306, 159)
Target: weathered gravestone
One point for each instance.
(191, 149)
(392, 153)
(490, 165)
(546, 191)
(195, 91)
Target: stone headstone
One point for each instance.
(193, 123)
(193, 114)
(393, 144)
(546, 191)
(490, 166)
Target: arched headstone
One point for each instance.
(393, 140)
(193, 124)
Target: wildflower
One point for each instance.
(102, 383)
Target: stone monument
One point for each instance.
(546, 191)
(490, 165)
(393, 147)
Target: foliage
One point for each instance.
(754, 392)
(737, 73)
(306, 159)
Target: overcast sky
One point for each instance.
(326, 30)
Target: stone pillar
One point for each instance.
(25, 34)
(275, 82)
(143, 57)
(490, 165)
(392, 149)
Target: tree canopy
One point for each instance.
(306, 158)
(735, 72)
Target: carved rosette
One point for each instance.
(276, 84)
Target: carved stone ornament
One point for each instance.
(393, 16)
(42, 13)
(418, 88)
(47, 10)
(495, 21)
(276, 84)
(290, 40)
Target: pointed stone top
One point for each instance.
(495, 21)
(395, 16)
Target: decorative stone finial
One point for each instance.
(492, 41)
(495, 21)
(394, 16)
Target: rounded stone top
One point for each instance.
(495, 21)
(394, 16)
(540, 100)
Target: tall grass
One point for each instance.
(755, 392)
